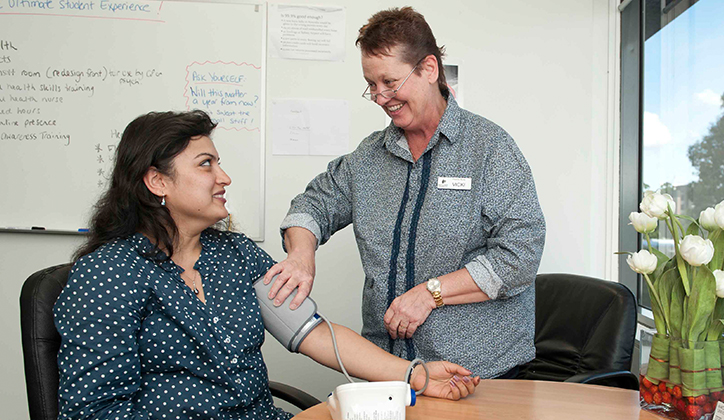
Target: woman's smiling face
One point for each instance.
(195, 192)
(408, 108)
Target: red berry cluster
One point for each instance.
(690, 407)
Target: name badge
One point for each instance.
(448, 183)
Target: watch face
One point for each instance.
(433, 285)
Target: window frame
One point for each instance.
(631, 128)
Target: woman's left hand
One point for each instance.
(447, 380)
(408, 311)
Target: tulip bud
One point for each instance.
(707, 220)
(696, 250)
(719, 276)
(719, 214)
(656, 205)
(642, 262)
(642, 222)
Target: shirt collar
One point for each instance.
(209, 239)
(449, 127)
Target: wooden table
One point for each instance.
(522, 400)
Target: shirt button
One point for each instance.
(238, 381)
(227, 340)
(216, 319)
(234, 360)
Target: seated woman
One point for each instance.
(159, 319)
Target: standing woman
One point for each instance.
(445, 214)
(159, 319)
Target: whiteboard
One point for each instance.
(74, 73)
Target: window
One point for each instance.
(672, 115)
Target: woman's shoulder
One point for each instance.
(485, 127)
(115, 268)
(374, 142)
(111, 260)
(108, 253)
(251, 254)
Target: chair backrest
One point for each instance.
(582, 324)
(41, 340)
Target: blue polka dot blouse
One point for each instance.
(137, 343)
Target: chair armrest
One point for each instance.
(621, 378)
(293, 395)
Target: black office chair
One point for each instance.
(41, 342)
(584, 331)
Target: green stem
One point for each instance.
(648, 239)
(655, 295)
(676, 219)
(679, 260)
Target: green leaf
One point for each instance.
(693, 229)
(676, 307)
(662, 268)
(681, 265)
(672, 225)
(717, 238)
(716, 328)
(664, 286)
(694, 224)
(685, 320)
(701, 302)
(659, 318)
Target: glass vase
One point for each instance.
(694, 384)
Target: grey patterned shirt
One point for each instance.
(409, 228)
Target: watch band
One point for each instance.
(438, 299)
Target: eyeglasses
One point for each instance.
(389, 93)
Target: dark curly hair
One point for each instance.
(407, 29)
(128, 207)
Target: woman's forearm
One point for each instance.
(361, 358)
(300, 241)
(458, 288)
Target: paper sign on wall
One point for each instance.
(310, 127)
(306, 32)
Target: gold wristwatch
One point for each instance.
(433, 286)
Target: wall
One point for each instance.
(538, 69)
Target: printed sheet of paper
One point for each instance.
(306, 32)
(310, 127)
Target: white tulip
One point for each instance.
(719, 276)
(642, 222)
(656, 205)
(642, 262)
(696, 250)
(707, 220)
(719, 214)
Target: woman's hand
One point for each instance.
(297, 271)
(294, 272)
(447, 380)
(408, 311)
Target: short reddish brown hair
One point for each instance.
(407, 29)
